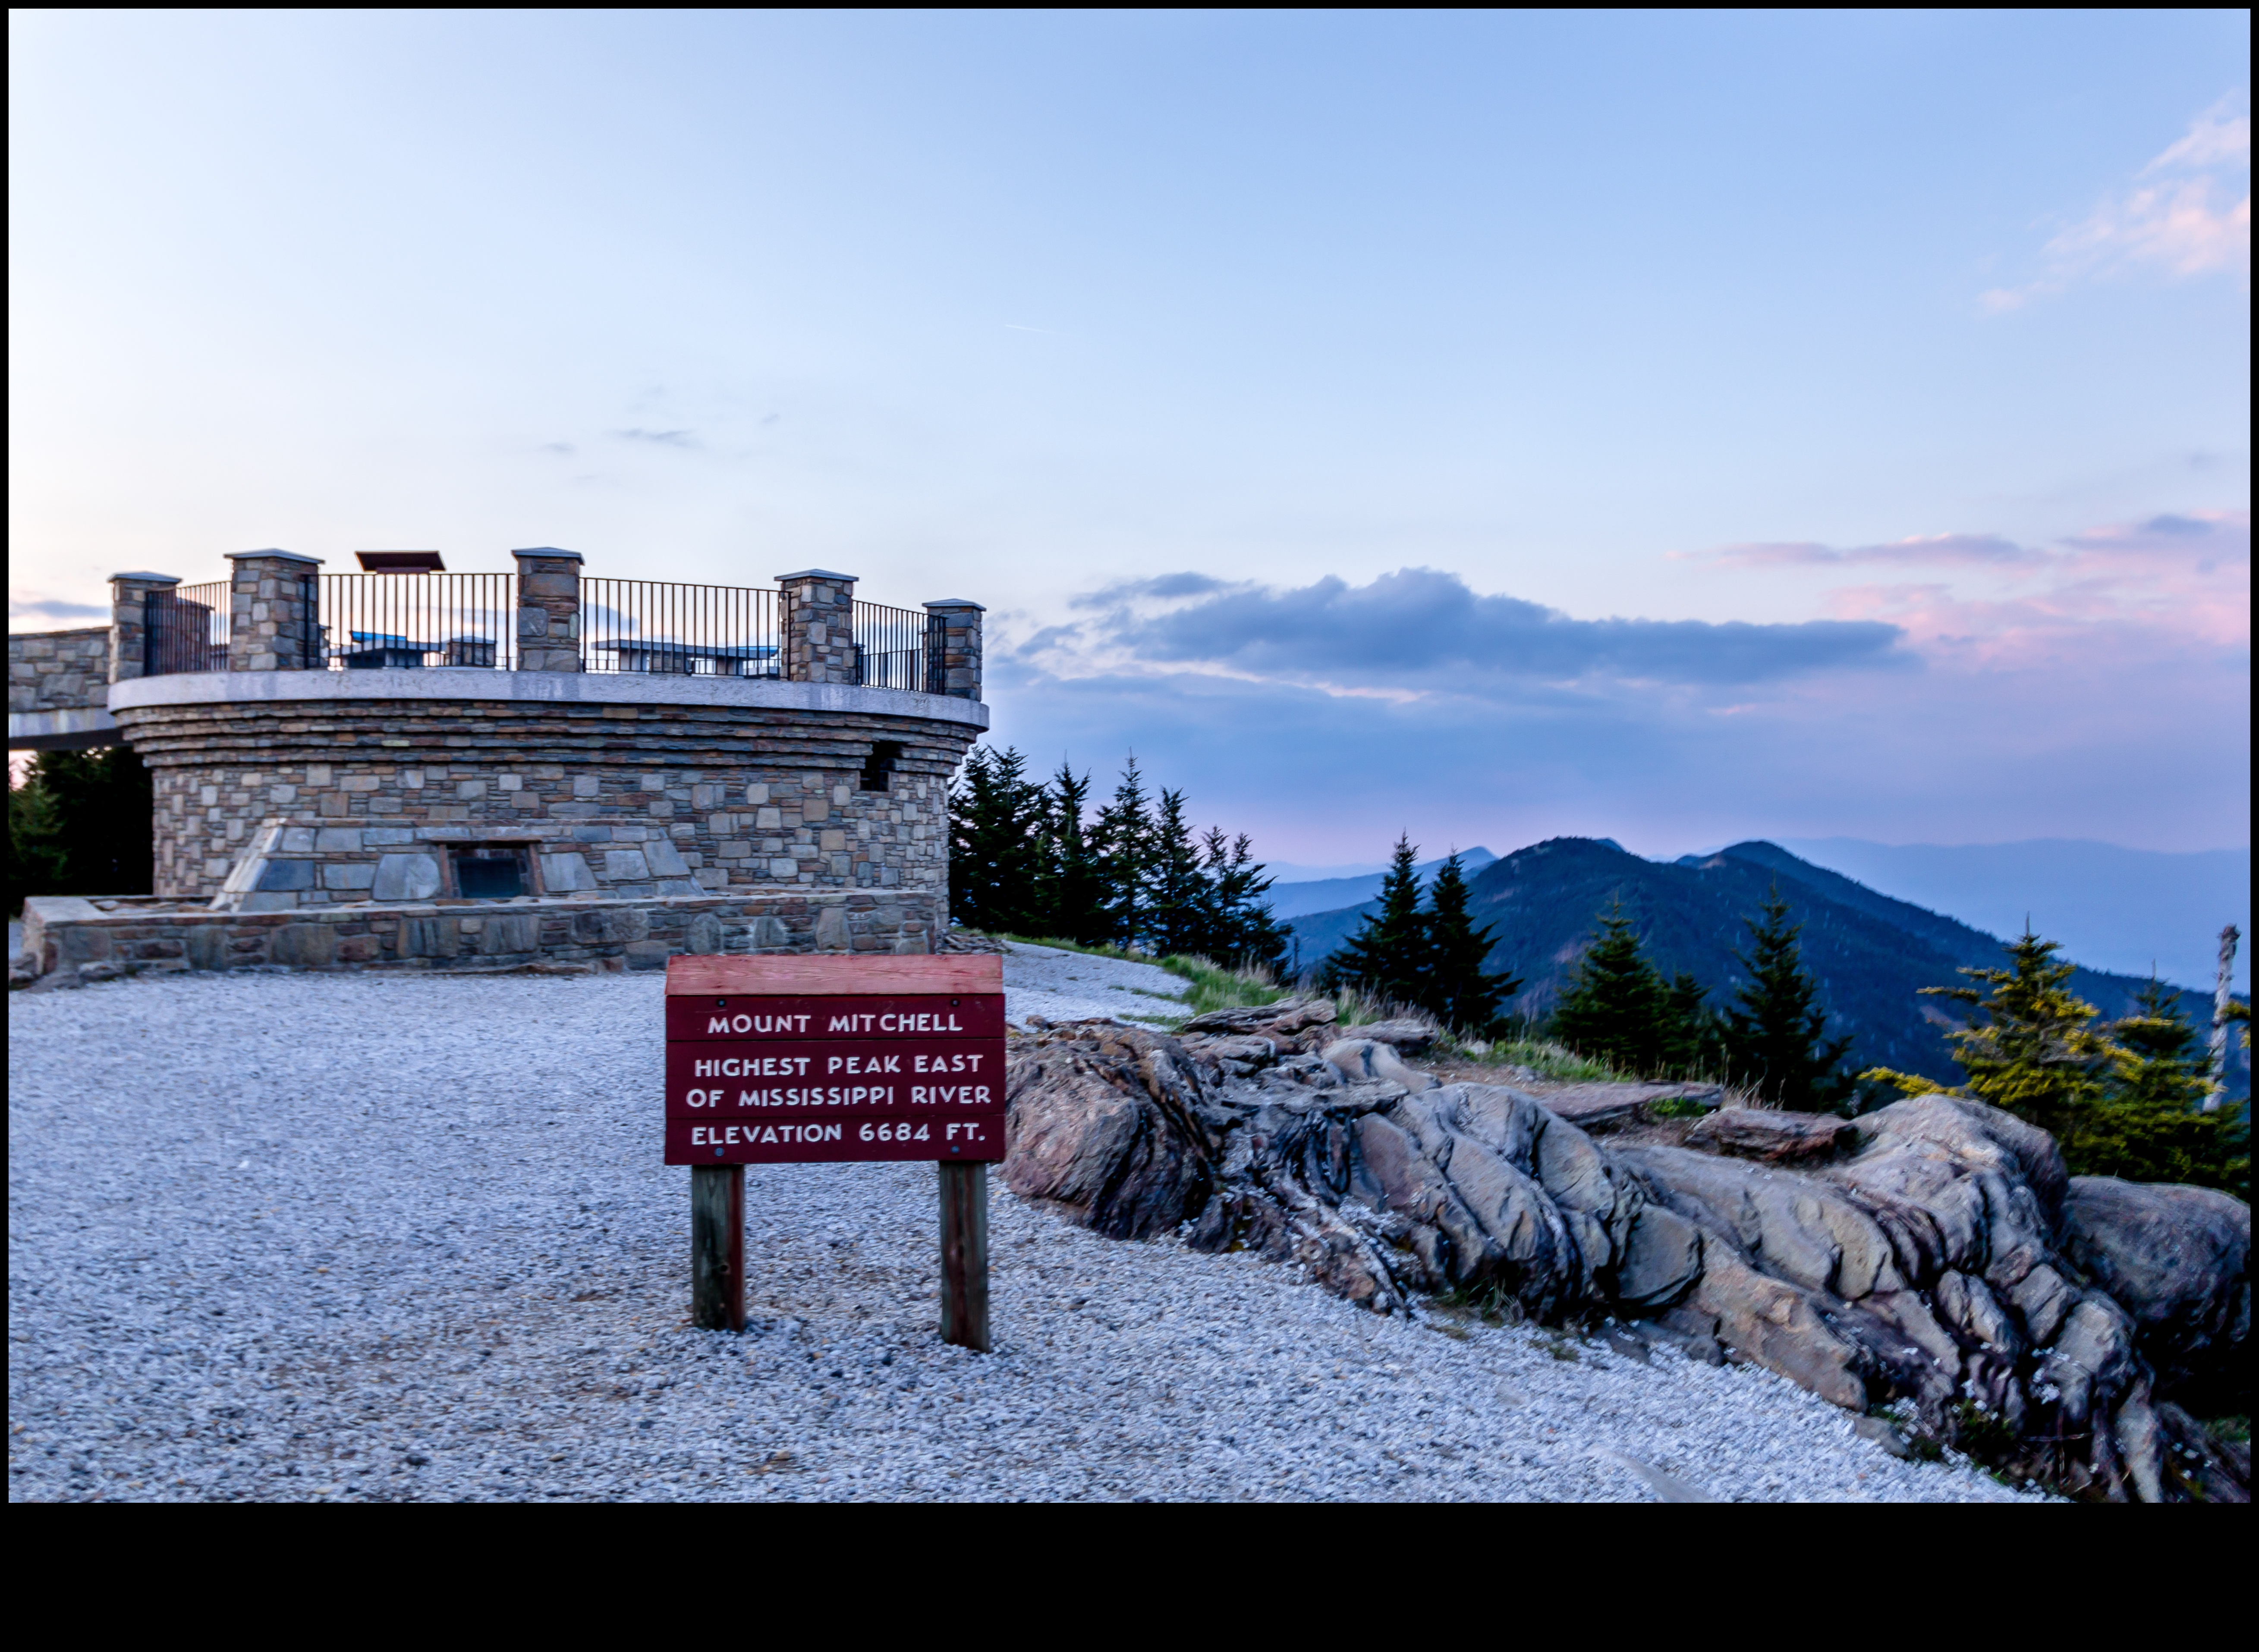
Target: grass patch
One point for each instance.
(1214, 988)
(1546, 1060)
(1492, 1304)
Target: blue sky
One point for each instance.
(1673, 427)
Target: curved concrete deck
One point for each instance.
(553, 687)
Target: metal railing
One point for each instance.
(701, 631)
(406, 621)
(370, 621)
(186, 629)
(890, 646)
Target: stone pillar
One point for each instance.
(273, 612)
(548, 609)
(953, 648)
(129, 622)
(818, 622)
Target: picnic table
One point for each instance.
(371, 651)
(722, 660)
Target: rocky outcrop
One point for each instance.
(1933, 1256)
(1778, 1138)
(2179, 1260)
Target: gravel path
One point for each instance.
(1043, 980)
(362, 1237)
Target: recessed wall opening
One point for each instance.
(880, 764)
(493, 871)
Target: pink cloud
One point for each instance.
(1966, 549)
(2185, 217)
(2171, 591)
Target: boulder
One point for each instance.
(1778, 1138)
(1361, 1059)
(1282, 1019)
(1406, 1037)
(2178, 1261)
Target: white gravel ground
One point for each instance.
(363, 1237)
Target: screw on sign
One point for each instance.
(795, 1060)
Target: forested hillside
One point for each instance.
(1871, 954)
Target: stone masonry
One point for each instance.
(58, 671)
(817, 611)
(953, 633)
(309, 817)
(129, 621)
(273, 624)
(698, 795)
(548, 609)
(97, 939)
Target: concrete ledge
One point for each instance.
(538, 688)
(77, 731)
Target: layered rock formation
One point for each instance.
(1933, 1257)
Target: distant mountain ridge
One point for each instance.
(2113, 907)
(1329, 895)
(1870, 952)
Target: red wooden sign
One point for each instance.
(783, 1060)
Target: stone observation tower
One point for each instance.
(410, 768)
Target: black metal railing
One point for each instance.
(702, 630)
(370, 621)
(407, 621)
(890, 646)
(186, 629)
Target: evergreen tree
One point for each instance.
(996, 843)
(2031, 1046)
(1124, 843)
(1239, 930)
(1388, 958)
(1776, 1039)
(1616, 1007)
(1459, 992)
(1074, 903)
(2150, 1125)
(80, 825)
(1176, 918)
(1693, 1042)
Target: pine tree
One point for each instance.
(80, 825)
(1615, 1008)
(2031, 1046)
(1237, 928)
(1123, 841)
(996, 845)
(1176, 889)
(1075, 898)
(2150, 1125)
(1459, 992)
(1388, 958)
(1776, 1039)
(1693, 1042)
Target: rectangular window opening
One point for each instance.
(880, 764)
(493, 871)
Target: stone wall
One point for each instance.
(710, 796)
(82, 940)
(58, 671)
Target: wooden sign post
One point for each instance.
(797, 1059)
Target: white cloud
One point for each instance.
(2188, 217)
